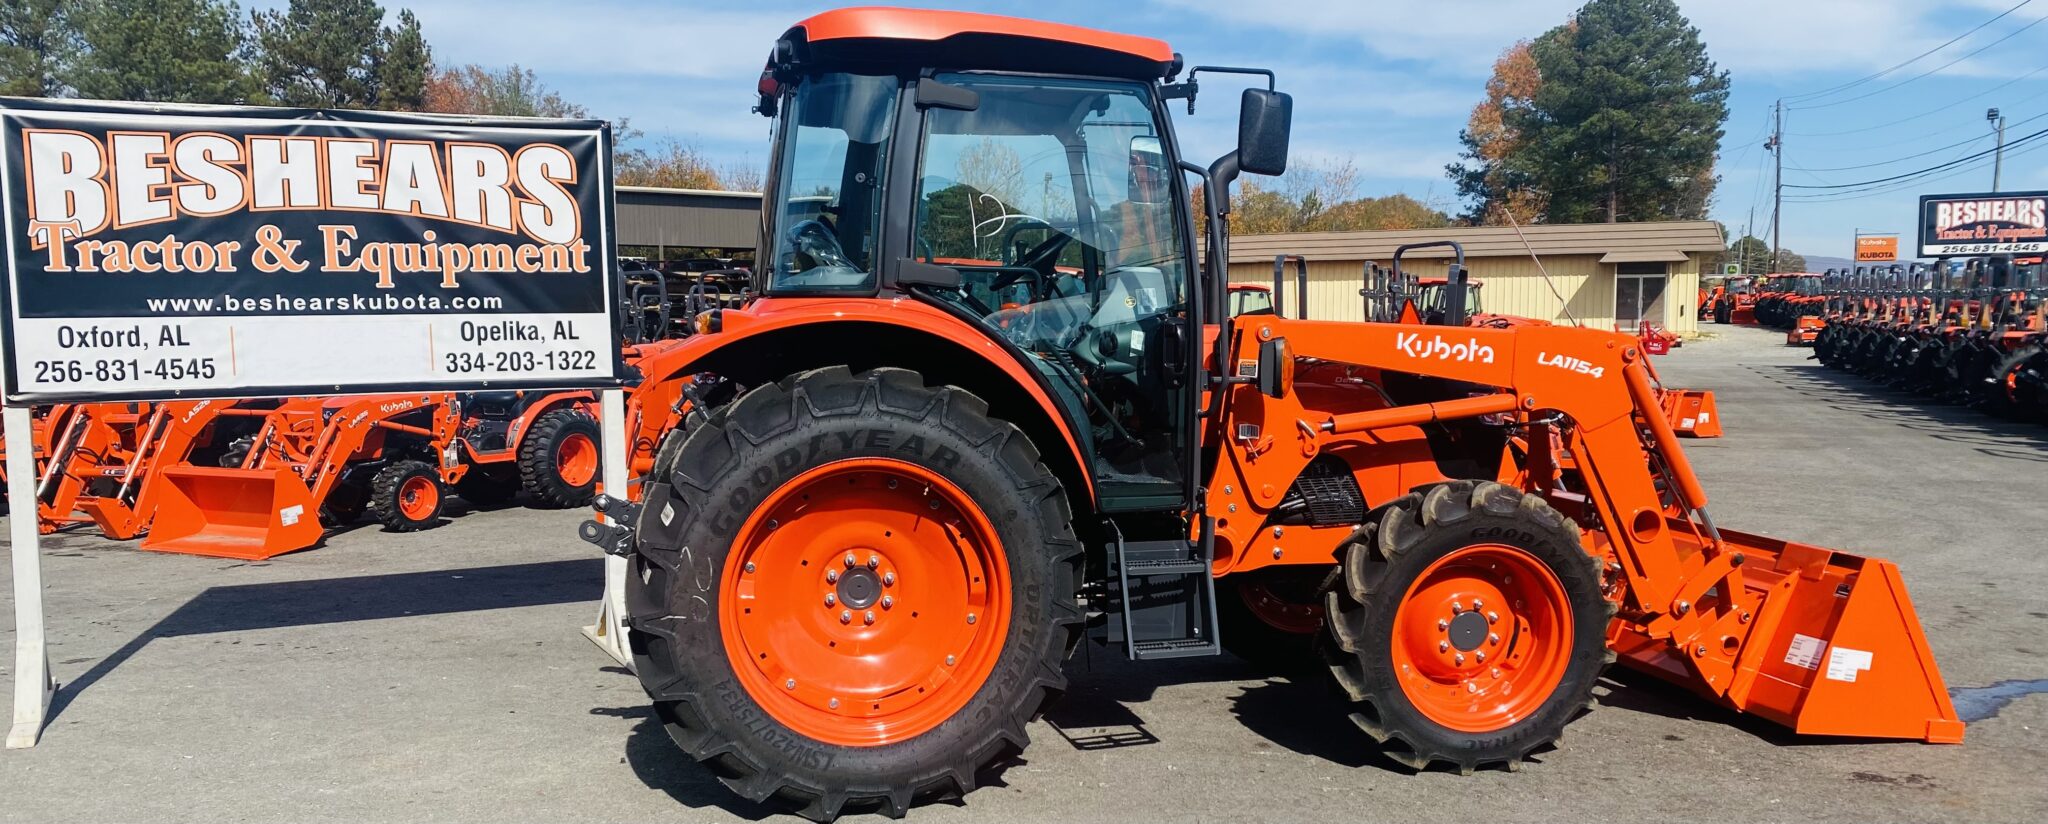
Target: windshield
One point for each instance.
(1054, 201)
(829, 181)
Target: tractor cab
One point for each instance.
(1039, 196)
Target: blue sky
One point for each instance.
(1385, 84)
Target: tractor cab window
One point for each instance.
(829, 184)
(1054, 201)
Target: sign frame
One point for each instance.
(1931, 247)
(600, 361)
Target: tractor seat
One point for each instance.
(497, 404)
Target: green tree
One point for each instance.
(1755, 257)
(1626, 118)
(38, 41)
(338, 54)
(1487, 176)
(161, 51)
(403, 66)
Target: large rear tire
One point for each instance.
(853, 592)
(1468, 627)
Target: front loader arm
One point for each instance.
(1738, 617)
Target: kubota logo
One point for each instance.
(396, 406)
(1471, 351)
(1570, 363)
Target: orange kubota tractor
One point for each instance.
(885, 509)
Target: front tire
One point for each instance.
(756, 598)
(407, 496)
(558, 459)
(1444, 579)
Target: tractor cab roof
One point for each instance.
(877, 39)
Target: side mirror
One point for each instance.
(1264, 120)
(1276, 368)
(1148, 177)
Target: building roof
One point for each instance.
(1627, 242)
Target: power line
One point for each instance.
(1950, 105)
(1979, 50)
(1935, 168)
(1909, 61)
(1925, 177)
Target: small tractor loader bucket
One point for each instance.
(1692, 413)
(1821, 641)
(251, 514)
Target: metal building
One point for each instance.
(1606, 275)
(665, 224)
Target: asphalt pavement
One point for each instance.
(440, 676)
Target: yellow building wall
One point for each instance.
(1512, 286)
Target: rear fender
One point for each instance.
(777, 337)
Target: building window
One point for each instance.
(1639, 293)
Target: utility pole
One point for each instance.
(1777, 147)
(1997, 121)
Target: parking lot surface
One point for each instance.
(441, 676)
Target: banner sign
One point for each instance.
(1877, 248)
(200, 251)
(1986, 224)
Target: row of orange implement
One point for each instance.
(252, 479)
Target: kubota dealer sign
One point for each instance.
(159, 251)
(1989, 224)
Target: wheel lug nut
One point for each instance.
(1459, 658)
(1493, 638)
(874, 561)
(1442, 625)
(970, 617)
(1481, 656)
(1457, 607)
(1496, 672)
(850, 560)
(888, 602)
(831, 599)
(789, 684)
(846, 616)
(870, 617)
(1492, 617)
(831, 576)
(1443, 646)
(750, 566)
(1478, 604)
(1471, 687)
(888, 579)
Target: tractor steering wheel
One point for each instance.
(814, 240)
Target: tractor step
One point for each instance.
(1164, 599)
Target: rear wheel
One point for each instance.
(1469, 626)
(558, 459)
(407, 497)
(855, 593)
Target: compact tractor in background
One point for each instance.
(959, 430)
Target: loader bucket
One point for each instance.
(251, 514)
(1833, 648)
(1692, 413)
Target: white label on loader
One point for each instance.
(1685, 423)
(1706, 416)
(1805, 651)
(1844, 663)
(290, 515)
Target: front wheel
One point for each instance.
(407, 496)
(1469, 626)
(853, 591)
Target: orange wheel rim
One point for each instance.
(418, 497)
(1482, 638)
(866, 601)
(576, 459)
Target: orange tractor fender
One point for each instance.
(775, 337)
